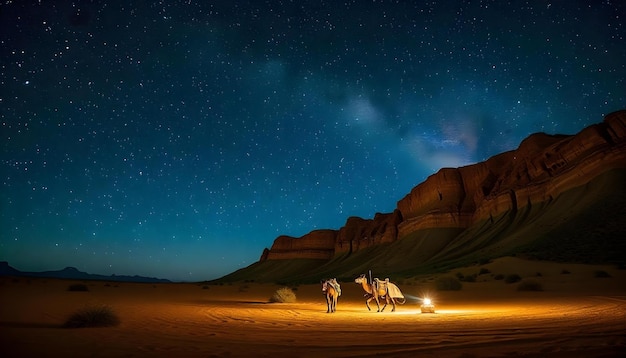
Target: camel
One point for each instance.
(380, 289)
(332, 290)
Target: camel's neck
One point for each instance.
(367, 287)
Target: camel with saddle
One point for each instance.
(378, 289)
(332, 290)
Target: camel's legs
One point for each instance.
(378, 304)
(329, 304)
(386, 303)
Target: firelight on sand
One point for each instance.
(193, 320)
(427, 306)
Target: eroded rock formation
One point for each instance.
(539, 170)
(318, 244)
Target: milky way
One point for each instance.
(177, 139)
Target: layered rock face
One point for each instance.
(543, 167)
(361, 233)
(318, 244)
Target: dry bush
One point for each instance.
(601, 274)
(470, 278)
(512, 278)
(283, 295)
(78, 287)
(94, 316)
(529, 285)
(448, 284)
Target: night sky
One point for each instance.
(177, 139)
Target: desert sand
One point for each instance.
(576, 315)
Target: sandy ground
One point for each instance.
(577, 315)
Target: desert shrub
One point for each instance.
(205, 287)
(483, 271)
(96, 316)
(448, 284)
(565, 272)
(498, 277)
(601, 274)
(512, 278)
(78, 287)
(460, 276)
(470, 278)
(529, 285)
(283, 295)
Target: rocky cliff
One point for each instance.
(543, 167)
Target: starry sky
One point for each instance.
(177, 139)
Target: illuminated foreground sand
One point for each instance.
(582, 317)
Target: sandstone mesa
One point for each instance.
(540, 169)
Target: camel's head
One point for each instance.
(360, 279)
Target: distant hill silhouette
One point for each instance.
(74, 274)
(556, 198)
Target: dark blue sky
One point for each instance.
(177, 139)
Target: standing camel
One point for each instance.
(380, 289)
(332, 290)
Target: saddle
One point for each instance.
(381, 285)
(333, 282)
(390, 288)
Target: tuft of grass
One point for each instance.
(448, 284)
(601, 274)
(283, 295)
(94, 316)
(529, 285)
(78, 287)
(512, 278)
